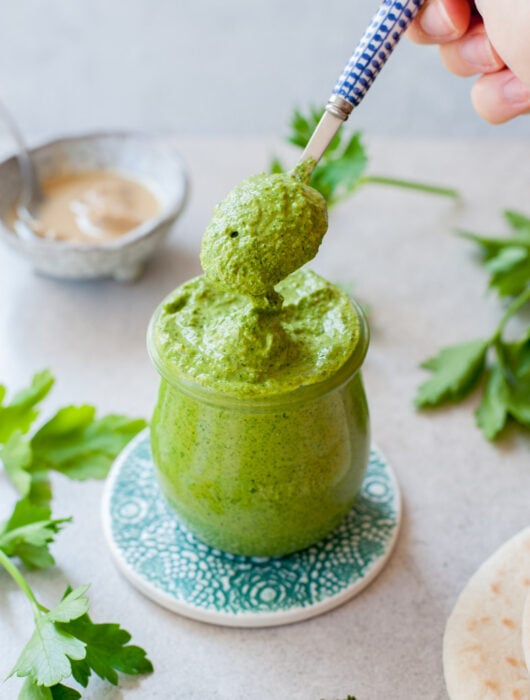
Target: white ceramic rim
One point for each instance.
(169, 214)
(246, 619)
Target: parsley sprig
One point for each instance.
(65, 642)
(342, 169)
(499, 366)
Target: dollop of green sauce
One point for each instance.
(265, 229)
(227, 343)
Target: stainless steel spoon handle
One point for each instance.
(375, 48)
(30, 190)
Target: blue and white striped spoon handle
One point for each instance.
(375, 48)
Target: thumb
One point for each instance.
(507, 24)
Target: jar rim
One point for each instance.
(301, 393)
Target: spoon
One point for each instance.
(379, 40)
(30, 192)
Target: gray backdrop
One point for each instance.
(214, 66)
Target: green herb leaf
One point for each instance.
(337, 176)
(519, 223)
(510, 270)
(75, 443)
(46, 658)
(276, 166)
(508, 388)
(80, 447)
(515, 361)
(456, 370)
(507, 391)
(492, 412)
(107, 651)
(32, 691)
(302, 129)
(341, 168)
(20, 413)
(16, 457)
(490, 247)
(73, 605)
(507, 259)
(40, 493)
(63, 692)
(28, 533)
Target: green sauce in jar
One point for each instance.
(260, 434)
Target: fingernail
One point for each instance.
(435, 21)
(516, 92)
(476, 50)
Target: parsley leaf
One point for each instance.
(16, 457)
(507, 259)
(65, 641)
(514, 360)
(63, 692)
(28, 533)
(341, 169)
(20, 413)
(78, 446)
(302, 128)
(107, 651)
(73, 442)
(47, 656)
(339, 175)
(510, 270)
(32, 691)
(456, 370)
(492, 412)
(519, 223)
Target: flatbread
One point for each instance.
(483, 648)
(526, 632)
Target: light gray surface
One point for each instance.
(214, 67)
(462, 496)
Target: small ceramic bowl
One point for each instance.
(152, 160)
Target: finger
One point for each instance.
(499, 97)
(508, 24)
(440, 21)
(472, 54)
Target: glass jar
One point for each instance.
(261, 476)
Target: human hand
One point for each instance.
(489, 38)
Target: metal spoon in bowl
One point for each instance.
(379, 40)
(30, 191)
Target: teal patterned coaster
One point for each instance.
(169, 565)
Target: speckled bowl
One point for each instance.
(149, 159)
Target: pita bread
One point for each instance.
(526, 632)
(483, 648)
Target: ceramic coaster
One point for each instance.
(168, 564)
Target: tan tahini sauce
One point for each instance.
(93, 206)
